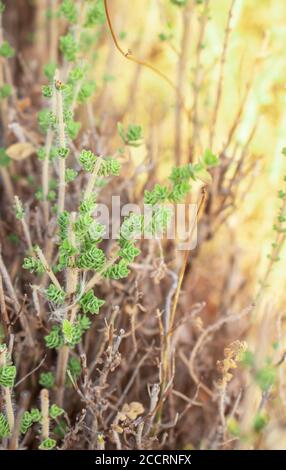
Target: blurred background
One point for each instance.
(206, 75)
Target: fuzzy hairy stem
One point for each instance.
(24, 225)
(92, 179)
(4, 313)
(27, 233)
(45, 413)
(71, 286)
(45, 168)
(61, 373)
(222, 396)
(62, 144)
(24, 401)
(7, 396)
(9, 408)
(72, 273)
(47, 267)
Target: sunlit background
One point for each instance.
(211, 76)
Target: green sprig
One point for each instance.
(48, 444)
(54, 339)
(56, 411)
(4, 426)
(133, 136)
(94, 258)
(33, 265)
(117, 271)
(47, 380)
(87, 160)
(55, 295)
(6, 50)
(90, 303)
(7, 376)
(69, 11)
(69, 47)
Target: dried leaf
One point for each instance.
(117, 428)
(24, 104)
(20, 151)
(133, 410)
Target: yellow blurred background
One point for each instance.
(255, 58)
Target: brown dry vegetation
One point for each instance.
(188, 351)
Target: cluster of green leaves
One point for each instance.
(35, 416)
(264, 376)
(67, 333)
(7, 378)
(68, 10)
(131, 227)
(95, 12)
(259, 422)
(33, 265)
(180, 181)
(7, 375)
(118, 270)
(47, 380)
(6, 50)
(5, 91)
(19, 210)
(56, 411)
(168, 34)
(48, 444)
(85, 254)
(4, 426)
(92, 258)
(63, 225)
(69, 47)
(132, 136)
(90, 303)
(74, 369)
(78, 87)
(108, 166)
(51, 196)
(41, 153)
(128, 251)
(55, 295)
(176, 192)
(4, 158)
(29, 418)
(48, 120)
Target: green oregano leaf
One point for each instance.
(48, 444)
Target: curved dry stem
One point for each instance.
(129, 56)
